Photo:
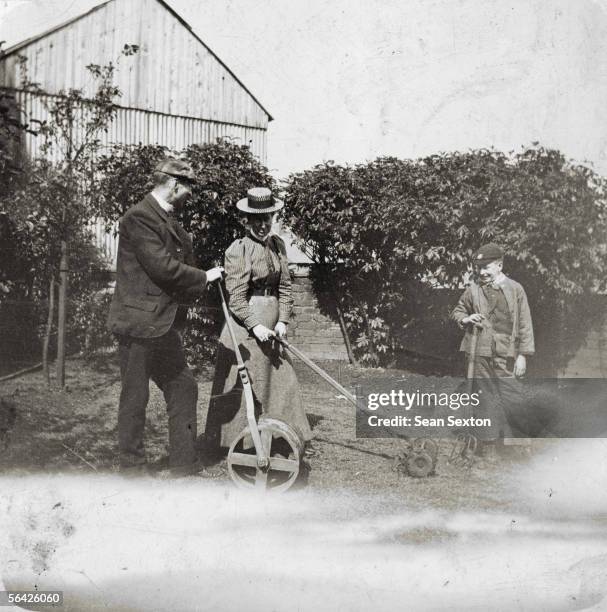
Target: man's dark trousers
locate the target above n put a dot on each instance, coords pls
(162, 359)
(155, 274)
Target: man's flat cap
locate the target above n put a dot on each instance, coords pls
(488, 252)
(177, 168)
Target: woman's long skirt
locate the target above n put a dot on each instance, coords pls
(273, 379)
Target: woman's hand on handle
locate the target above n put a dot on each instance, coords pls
(280, 329)
(262, 333)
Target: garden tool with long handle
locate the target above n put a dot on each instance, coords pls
(262, 459)
(349, 396)
(472, 356)
(278, 447)
(419, 457)
(465, 444)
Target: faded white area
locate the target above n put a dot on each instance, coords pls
(353, 79)
(569, 479)
(157, 545)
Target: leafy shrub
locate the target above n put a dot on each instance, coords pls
(225, 170)
(381, 225)
(88, 330)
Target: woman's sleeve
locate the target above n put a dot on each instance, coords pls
(238, 273)
(285, 289)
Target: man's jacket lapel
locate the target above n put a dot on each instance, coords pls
(151, 201)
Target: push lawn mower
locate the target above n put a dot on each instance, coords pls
(267, 454)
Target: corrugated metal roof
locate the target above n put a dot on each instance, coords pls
(38, 35)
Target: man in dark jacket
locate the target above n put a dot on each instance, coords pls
(155, 275)
(497, 307)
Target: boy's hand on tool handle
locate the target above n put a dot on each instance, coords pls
(473, 319)
(520, 366)
(280, 329)
(262, 333)
(215, 274)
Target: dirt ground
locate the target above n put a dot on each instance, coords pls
(75, 430)
(526, 533)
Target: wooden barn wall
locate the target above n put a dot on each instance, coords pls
(173, 73)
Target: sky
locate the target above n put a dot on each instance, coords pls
(350, 80)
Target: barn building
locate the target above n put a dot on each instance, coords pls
(175, 92)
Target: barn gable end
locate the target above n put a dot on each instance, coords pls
(175, 91)
(174, 73)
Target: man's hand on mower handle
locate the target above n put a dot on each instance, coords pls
(473, 319)
(262, 333)
(215, 274)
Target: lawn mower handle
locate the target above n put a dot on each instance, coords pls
(349, 396)
(472, 354)
(262, 459)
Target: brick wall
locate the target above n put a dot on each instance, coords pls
(314, 333)
(581, 355)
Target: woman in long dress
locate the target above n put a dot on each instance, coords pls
(258, 284)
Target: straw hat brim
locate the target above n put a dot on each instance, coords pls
(243, 205)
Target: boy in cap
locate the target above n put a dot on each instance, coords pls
(497, 307)
(155, 276)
